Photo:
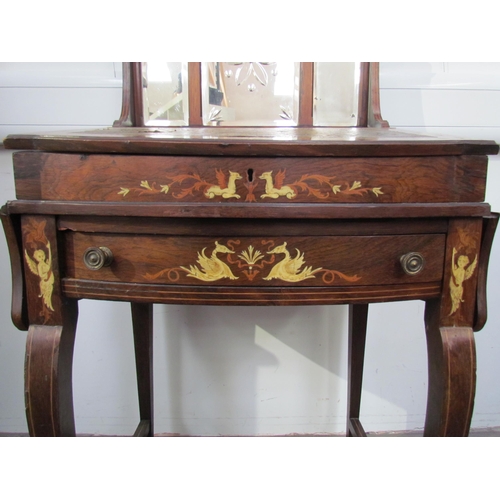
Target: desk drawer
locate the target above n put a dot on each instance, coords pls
(257, 261)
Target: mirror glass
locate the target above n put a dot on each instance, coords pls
(336, 94)
(250, 93)
(165, 91)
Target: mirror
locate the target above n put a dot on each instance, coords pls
(250, 93)
(336, 94)
(165, 90)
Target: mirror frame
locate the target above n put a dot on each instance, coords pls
(369, 114)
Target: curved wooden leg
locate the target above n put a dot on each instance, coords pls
(48, 377)
(449, 324)
(51, 332)
(358, 315)
(452, 376)
(142, 320)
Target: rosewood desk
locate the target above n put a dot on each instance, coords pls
(248, 216)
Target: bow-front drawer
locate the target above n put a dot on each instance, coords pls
(256, 261)
(252, 261)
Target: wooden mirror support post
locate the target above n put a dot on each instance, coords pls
(193, 207)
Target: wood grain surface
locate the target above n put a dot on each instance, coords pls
(123, 178)
(248, 141)
(333, 261)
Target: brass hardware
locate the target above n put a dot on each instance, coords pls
(412, 263)
(97, 257)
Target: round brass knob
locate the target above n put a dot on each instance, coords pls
(97, 257)
(412, 263)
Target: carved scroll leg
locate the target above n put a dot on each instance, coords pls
(51, 332)
(452, 376)
(48, 377)
(358, 315)
(142, 320)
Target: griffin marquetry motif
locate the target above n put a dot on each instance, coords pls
(277, 191)
(212, 268)
(289, 268)
(225, 187)
(274, 187)
(251, 262)
(228, 191)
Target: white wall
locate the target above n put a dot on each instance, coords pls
(249, 370)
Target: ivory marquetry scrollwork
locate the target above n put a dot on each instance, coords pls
(252, 262)
(226, 186)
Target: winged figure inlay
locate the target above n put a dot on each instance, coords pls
(40, 264)
(461, 271)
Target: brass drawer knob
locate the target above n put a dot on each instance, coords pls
(97, 257)
(412, 263)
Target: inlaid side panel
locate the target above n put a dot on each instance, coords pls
(450, 338)
(170, 179)
(41, 264)
(461, 272)
(51, 333)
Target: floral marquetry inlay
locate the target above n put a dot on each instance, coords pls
(275, 262)
(227, 183)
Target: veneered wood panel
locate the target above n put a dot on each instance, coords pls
(251, 141)
(256, 261)
(252, 227)
(228, 295)
(461, 272)
(42, 270)
(173, 179)
(285, 211)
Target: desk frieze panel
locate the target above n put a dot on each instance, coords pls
(171, 179)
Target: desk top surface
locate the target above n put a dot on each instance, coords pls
(238, 141)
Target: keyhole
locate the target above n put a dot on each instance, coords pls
(250, 175)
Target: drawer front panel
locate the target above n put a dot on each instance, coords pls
(257, 261)
(173, 179)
